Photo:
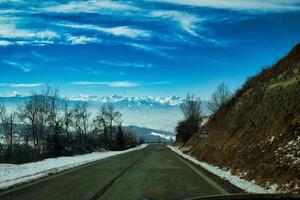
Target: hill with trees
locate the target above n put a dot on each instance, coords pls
(256, 133)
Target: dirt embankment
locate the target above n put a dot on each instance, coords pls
(257, 134)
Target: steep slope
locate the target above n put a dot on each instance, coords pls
(257, 134)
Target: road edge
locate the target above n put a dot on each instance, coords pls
(203, 176)
(50, 176)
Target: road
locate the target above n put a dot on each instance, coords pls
(151, 173)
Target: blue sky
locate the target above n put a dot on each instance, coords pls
(143, 47)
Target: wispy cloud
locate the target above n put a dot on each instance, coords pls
(185, 21)
(259, 5)
(24, 66)
(36, 55)
(157, 50)
(119, 83)
(81, 39)
(91, 6)
(125, 31)
(11, 32)
(125, 64)
(5, 43)
(22, 85)
(160, 83)
(110, 84)
(14, 31)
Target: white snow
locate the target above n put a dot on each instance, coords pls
(11, 174)
(271, 139)
(248, 186)
(291, 151)
(167, 137)
(139, 100)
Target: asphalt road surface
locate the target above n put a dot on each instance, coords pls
(151, 173)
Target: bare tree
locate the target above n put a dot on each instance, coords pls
(29, 114)
(120, 140)
(54, 119)
(81, 120)
(7, 122)
(191, 108)
(112, 118)
(219, 98)
(101, 126)
(193, 116)
(107, 120)
(68, 121)
(42, 118)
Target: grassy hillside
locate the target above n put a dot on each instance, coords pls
(257, 134)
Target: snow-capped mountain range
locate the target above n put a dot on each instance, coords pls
(127, 101)
(160, 113)
(118, 101)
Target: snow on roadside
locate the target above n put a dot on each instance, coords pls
(12, 174)
(248, 186)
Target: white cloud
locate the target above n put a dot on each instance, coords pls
(15, 31)
(39, 38)
(186, 21)
(81, 39)
(10, 31)
(27, 85)
(92, 6)
(160, 83)
(116, 31)
(157, 50)
(123, 84)
(266, 5)
(125, 64)
(20, 85)
(118, 83)
(5, 43)
(47, 35)
(110, 84)
(24, 66)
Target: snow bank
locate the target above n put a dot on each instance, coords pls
(11, 174)
(248, 186)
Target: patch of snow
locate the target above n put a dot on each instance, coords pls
(290, 151)
(248, 186)
(12, 174)
(271, 139)
(167, 137)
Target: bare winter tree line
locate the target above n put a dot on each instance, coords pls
(49, 126)
(192, 110)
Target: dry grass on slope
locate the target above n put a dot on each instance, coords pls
(257, 134)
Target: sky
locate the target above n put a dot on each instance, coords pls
(141, 47)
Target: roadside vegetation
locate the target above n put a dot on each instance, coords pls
(219, 98)
(194, 117)
(255, 133)
(48, 126)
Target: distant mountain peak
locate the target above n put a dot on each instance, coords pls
(130, 101)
